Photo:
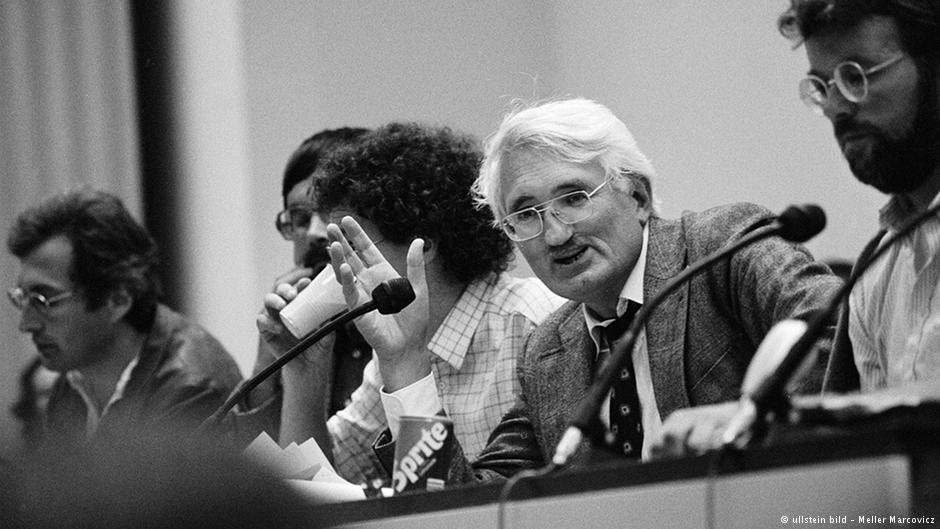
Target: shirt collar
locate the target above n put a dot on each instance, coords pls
(452, 339)
(632, 291)
(77, 381)
(899, 210)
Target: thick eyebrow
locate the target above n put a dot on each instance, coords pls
(864, 60)
(42, 288)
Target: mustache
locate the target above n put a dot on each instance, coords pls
(316, 257)
(842, 128)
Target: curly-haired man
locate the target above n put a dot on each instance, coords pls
(400, 182)
(88, 292)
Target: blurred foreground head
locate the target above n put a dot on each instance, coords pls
(144, 481)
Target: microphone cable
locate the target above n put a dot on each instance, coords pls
(512, 482)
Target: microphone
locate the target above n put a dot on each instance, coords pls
(801, 223)
(389, 297)
(769, 395)
(770, 354)
(796, 224)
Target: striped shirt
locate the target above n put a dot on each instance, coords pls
(894, 311)
(473, 363)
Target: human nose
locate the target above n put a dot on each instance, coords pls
(554, 230)
(316, 231)
(836, 106)
(29, 319)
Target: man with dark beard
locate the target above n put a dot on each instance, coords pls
(304, 226)
(873, 73)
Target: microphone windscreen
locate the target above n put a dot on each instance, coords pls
(393, 295)
(801, 223)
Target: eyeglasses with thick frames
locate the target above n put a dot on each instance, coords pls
(25, 298)
(569, 208)
(849, 77)
(294, 221)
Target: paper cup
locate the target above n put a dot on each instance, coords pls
(320, 301)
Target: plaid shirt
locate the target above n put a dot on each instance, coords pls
(474, 355)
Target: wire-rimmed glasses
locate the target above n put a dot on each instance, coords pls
(294, 221)
(850, 79)
(568, 208)
(25, 298)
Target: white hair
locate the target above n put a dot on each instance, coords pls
(574, 130)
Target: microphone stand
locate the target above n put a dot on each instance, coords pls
(313, 337)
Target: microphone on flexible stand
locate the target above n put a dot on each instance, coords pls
(796, 223)
(769, 395)
(389, 297)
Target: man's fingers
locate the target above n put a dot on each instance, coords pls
(415, 264)
(269, 326)
(346, 253)
(350, 289)
(293, 276)
(275, 302)
(364, 248)
(302, 283)
(673, 438)
(703, 437)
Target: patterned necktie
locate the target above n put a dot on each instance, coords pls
(626, 425)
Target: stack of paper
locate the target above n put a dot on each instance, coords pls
(305, 467)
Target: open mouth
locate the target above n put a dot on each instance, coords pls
(571, 258)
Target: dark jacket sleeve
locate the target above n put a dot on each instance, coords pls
(841, 373)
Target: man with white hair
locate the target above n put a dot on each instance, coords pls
(567, 183)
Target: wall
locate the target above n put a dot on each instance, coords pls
(67, 118)
(710, 92)
(313, 65)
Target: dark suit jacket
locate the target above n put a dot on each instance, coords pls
(700, 340)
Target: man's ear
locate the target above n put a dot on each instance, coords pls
(643, 194)
(119, 304)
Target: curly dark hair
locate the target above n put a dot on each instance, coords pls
(412, 181)
(110, 250)
(918, 20)
(312, 151)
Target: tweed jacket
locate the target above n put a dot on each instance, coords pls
(700, 340)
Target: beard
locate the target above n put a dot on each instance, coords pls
(902, 165)
(316, 258)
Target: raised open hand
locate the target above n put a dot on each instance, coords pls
(400, 340)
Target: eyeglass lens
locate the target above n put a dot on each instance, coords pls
(22, 298)
(568, 208)
(293, 221)
(850, 79)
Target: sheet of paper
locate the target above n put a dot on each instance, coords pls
(305, 467)
(323, 492)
